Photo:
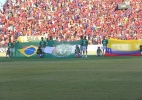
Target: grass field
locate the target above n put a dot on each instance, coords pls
(104, 78)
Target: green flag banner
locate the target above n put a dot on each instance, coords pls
(54, 49)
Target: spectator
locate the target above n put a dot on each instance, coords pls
(68, 19)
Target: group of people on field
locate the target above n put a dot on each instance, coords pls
(82, 50)
(42, 44)
(11, 45)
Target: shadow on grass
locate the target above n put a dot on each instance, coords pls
(4, 59)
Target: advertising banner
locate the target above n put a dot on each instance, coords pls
(3, 51)
(29, 38)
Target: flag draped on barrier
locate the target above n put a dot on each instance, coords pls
(123, 47)
(57, 49)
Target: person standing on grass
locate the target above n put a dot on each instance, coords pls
(141, 50)
(42, 44)
(81, 45)
(16, 42)
(47, 41)
(8, 53)
(85, 45)
(104, 45)
(50, 42)
(10, 46)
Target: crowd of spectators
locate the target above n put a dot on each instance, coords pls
(69, 19)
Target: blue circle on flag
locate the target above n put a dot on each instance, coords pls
(30, 51)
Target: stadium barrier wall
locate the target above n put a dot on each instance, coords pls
(115, 47)
(60, 49)
(3, 51)
(91, 50)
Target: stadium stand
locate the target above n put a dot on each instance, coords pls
(69, 19)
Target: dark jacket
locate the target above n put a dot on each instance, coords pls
(39, 51)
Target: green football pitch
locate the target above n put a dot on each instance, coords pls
(92, 78)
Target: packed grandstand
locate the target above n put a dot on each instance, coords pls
(69, 19)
